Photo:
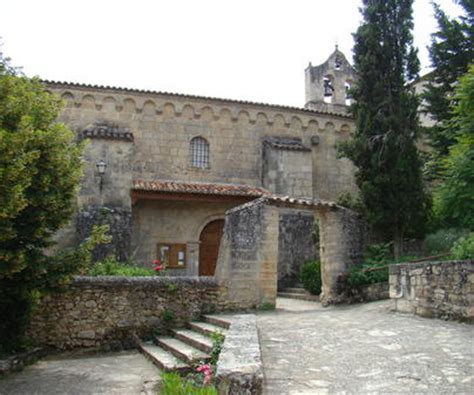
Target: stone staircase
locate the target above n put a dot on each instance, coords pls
(297, 293)
(185, 347)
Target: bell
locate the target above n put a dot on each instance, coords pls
(328, 89)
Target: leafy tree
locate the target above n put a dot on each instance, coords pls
(451, 52)
(454, 197)
(383, 149)
(40, 168)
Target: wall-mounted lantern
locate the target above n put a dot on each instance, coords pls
(101, 166)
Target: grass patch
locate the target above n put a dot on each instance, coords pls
(111, 267)
(174, 384)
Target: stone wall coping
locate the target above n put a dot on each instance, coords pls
(396, 268)
(148, 281)
(240, 369)
(289, 202)
(206, 99)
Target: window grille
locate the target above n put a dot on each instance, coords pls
(199, 153)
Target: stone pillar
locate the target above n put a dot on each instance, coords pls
(341, 246)
(248, 256)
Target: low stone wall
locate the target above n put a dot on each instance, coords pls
(434, 289)
(240, 369)
(369, 293)
(99, 311)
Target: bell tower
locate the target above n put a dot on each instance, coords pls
(327, 85)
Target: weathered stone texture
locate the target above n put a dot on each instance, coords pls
(98, 311)
(434, 289)
(286, 170)
(240, 369)
(119, 221)
(369, 293)
(296, 245)
(248, 255)
(341, 246)
(250, 248)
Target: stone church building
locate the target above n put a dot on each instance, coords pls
(162, 169)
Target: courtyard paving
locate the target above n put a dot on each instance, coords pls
(363, 349)
(127, 373)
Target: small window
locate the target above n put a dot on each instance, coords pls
(199, 153)
(172, 255)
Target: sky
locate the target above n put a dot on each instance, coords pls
(253, 50)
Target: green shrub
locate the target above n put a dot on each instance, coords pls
(217, 342)
(111, 267)
(378, 253)
(464, 247)
(20, 291)
(168, 317)
(366, 274)
(374, 268)
(174, 384)
(443, 240)
(310, 276)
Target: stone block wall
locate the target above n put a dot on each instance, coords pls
(248, 255)
(341, 244)
(369, 293)
(434, 289)
(99, 311)
(288, 171)
(296, 244)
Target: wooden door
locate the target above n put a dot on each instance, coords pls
(210, 239)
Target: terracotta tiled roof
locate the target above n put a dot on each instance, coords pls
(73, 85)
(198, 188)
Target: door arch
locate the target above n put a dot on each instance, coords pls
(210, 239)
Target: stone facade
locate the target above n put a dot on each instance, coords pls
(105, 311)
(434, 289)
(146, 136)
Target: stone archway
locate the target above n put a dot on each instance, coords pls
(209, 242)
(250, 249)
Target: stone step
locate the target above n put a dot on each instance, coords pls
(217, 320)
(194, 339)
(294, 290)
(163, 359)
(181, 350)
(206, 328)
(290, 295)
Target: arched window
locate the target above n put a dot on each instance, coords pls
(199, 153)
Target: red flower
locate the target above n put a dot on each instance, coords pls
(156, 262)
(158, 268)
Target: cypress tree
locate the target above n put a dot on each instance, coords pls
(383, 149)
